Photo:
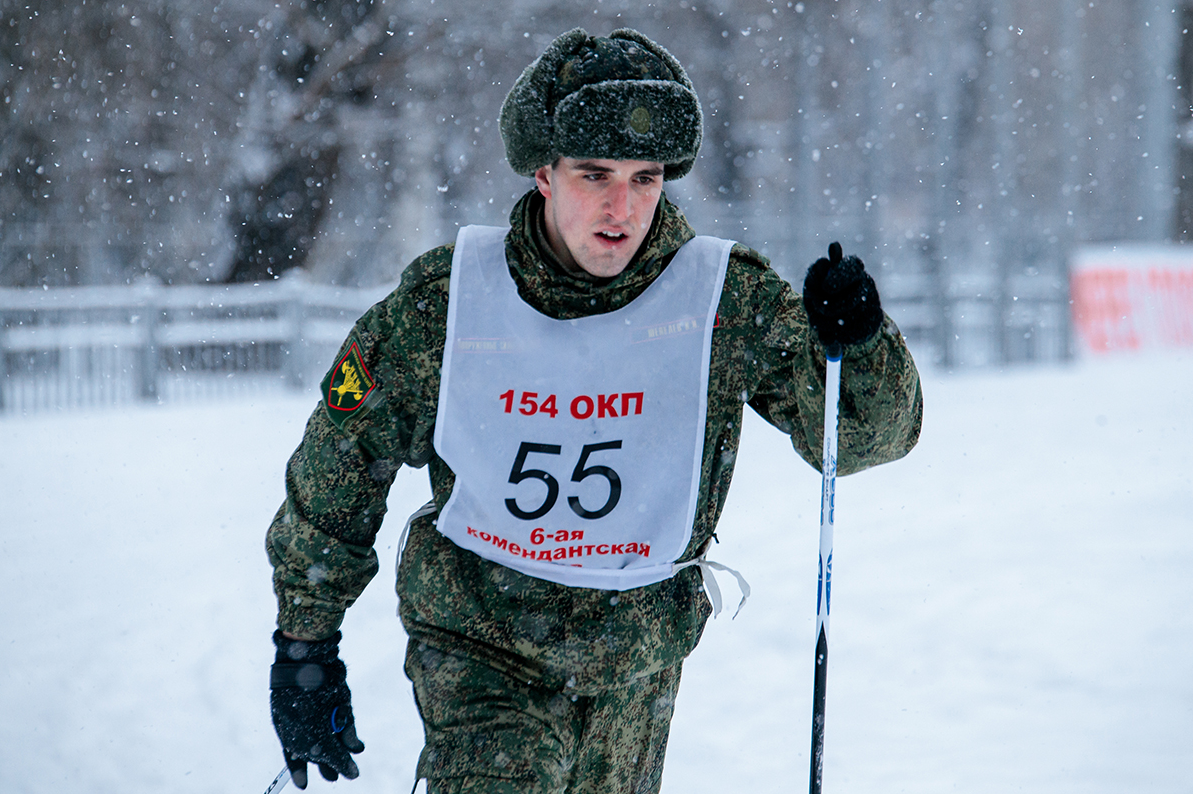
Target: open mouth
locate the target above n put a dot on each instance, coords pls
(612, 237)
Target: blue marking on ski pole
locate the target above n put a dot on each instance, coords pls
(832, 487)
(820, 580)
(280, 781)
(828, 581)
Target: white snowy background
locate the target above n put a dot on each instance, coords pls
(1012, 601)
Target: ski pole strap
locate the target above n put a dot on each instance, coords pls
(710, 581)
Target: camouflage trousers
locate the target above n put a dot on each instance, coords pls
(487, 732)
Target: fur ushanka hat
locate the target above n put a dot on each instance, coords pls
(617, 98)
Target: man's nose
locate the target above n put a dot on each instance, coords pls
(617, 201)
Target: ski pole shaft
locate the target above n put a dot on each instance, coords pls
(279, 782)
(833, 367)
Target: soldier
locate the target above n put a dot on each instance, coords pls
(575, 384)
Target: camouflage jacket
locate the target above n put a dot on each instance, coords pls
(763, 354)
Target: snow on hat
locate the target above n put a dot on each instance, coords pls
(617, 98)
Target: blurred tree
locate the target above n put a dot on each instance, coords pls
(112, 127)
(218, 140)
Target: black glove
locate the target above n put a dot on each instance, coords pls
(312, 708)
(841, 300)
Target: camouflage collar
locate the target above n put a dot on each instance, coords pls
(544, 284)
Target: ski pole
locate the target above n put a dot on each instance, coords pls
(279, 782)
(833, 369)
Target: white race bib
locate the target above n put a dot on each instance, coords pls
(576, 444)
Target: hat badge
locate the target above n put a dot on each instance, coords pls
(640, 120)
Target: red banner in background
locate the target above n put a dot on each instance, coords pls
(1131, 300)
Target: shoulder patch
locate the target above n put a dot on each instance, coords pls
(348, 384)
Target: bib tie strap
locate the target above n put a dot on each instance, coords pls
(710, 581)
(425, 510)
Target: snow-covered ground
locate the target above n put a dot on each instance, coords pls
(1012, 602)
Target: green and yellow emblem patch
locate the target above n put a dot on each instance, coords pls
(349, 382)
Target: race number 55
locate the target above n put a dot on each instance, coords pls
(580, 472)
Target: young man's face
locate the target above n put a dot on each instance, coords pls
(599, 211)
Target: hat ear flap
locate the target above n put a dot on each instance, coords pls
(525, 123)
